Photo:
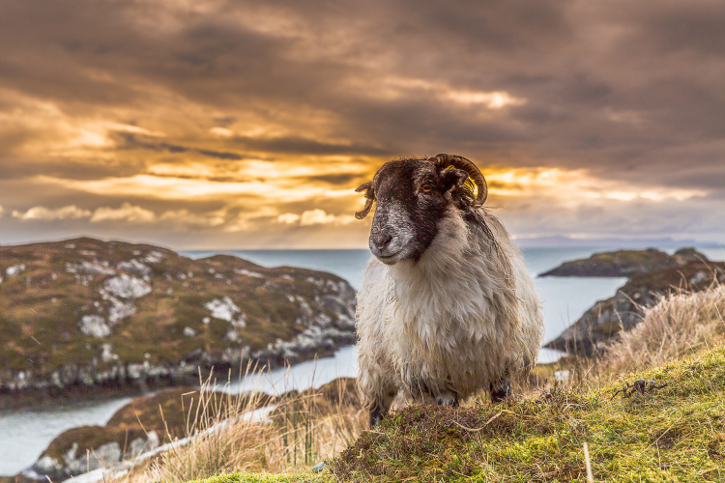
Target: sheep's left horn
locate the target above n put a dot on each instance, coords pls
(459, 162)
(370, 197)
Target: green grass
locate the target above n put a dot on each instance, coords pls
(266, 478)
(675, 434)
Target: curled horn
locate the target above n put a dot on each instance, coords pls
(459, 162)
(370, 197)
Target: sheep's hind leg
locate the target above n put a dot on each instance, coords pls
(381, 405)
(500, 390)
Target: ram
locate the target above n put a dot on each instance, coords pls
(446, 306)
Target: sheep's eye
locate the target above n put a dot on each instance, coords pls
(426, 188)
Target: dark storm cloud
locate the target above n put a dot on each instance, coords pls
(297, 145)
(336, 179)
(11, 168)
(132, 141)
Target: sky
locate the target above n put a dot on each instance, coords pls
(212, 124)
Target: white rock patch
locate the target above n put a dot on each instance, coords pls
(119, 310)
(89, 267)
(95, 325)
(248, 273)
(107, 355)
(14, 270)
(224, 309)
(134, 266)
(126, 287)
(189, 332)
(232, 336)
(153, 257)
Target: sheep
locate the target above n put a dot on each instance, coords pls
(446, 306)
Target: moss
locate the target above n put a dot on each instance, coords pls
(268, 478)
(672, 434)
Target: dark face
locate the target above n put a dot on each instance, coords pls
(412, 197)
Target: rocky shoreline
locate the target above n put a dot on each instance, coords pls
(139, 430)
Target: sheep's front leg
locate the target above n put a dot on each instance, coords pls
(381, 404)
(375, 388)
(500, 390)
(447, 399)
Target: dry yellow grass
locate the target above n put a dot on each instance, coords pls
(228, 435)
(678, 325)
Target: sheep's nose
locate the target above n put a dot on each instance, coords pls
(380, 240)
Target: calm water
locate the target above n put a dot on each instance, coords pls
(25, 434)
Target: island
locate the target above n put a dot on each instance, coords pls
(82, 316)
(625, 263)
(686, 270)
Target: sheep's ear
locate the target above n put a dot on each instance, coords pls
(364, 186)
(370, 197)
(453, 178)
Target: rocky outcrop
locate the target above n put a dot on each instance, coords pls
(625, 263)
(603, 322)
(87, 313)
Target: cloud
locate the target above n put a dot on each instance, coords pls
(127, 212)
(288, 218)
(185, 217)
(193, 113)
(129, 140)
(314, 217)
(71, 212)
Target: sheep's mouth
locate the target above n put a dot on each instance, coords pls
(388, 259)
(392, 258)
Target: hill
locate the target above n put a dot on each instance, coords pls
(87, 313)
(674, 433)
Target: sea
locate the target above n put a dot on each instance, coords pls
(25, 433)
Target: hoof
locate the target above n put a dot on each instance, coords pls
(447, 399)
(500, 392)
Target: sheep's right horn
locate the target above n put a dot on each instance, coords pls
(459, 162)
(370, 197)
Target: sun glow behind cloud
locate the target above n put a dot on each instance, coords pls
(573, 186)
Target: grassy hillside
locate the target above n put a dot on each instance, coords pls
(87, 312)
(675, 434)
(672, 430)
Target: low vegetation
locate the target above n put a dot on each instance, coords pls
(256, 433)
(680, 324)
(672, 430)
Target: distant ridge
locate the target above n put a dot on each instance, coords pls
(635, 243)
